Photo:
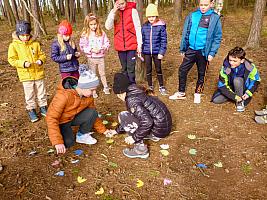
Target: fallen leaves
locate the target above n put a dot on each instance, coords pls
(192, 151)
(139, 183)
(100, 191)
(81, 179)
(218, 164)
(164, 152)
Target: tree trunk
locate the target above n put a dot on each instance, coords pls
(93, 7)
(3, 10)
(61, 7)
(54, 10)
(67, 9)
(178, 10)
(26, 15)
(256, 25)
(85, 4)
(110, 5)
(15, 10)
(78, 6)
(72, 11)
(34, 8)
(10, 15)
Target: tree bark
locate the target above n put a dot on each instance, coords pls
(10, 15)
(256, 25)
(34, 8)
(85, 4)
(3, 10)
(178, 10)
(26, 15)
(67, 9)
(93, 7)
(15, 10)
(54, 10)
(72, 11)
(110, 6)
(61, 7)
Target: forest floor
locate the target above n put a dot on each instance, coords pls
(223, 135)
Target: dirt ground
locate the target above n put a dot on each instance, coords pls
(223, 135)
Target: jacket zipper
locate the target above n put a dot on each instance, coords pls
(151, 40)
(123, 29)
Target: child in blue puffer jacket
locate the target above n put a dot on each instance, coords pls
(154, 45)
(64, 51)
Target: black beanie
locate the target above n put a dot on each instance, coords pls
(121, 83)
(23, 27)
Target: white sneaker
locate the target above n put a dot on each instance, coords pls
(197, 98)
(106, 90)
(95, 95)
(85, 138)
(240, 107)
(177, 95)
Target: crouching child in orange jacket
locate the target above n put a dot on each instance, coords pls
(73, 105)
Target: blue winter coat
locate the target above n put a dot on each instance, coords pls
(213, 35)
(60, 57)
(154, 38)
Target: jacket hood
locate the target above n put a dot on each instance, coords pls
(247, 64)
(16, 39)
(159, 23)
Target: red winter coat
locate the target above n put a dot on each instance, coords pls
(124, 31)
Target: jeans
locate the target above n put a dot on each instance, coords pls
(85, 119)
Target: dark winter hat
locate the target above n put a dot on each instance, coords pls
(121, 83)
(23, 27)
(88, 78)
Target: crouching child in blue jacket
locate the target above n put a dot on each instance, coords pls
(146, 117)
(238, 80)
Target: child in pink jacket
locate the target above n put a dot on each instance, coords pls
(94, 43)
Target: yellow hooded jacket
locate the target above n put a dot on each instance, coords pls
(19, 52)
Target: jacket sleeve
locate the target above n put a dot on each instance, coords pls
(55, 54)
(253, 81)
(185, 36)
(106, 43)
(217, 38)
(137, 27)
(41, 54)
(13, 58)
(110, 20)
(54, 113)
(163, 40)
(145, 120)
(223, 85)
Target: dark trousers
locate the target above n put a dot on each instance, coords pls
(85, 119)
(157, 62)
(128, 61)
(192, 57)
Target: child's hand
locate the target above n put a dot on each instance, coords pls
(60, 148)
(129, 140)
(160, 56)
(210, 58)
(77, 54)
(110, 133)
(95, 51)
(116, 6)
(245, 96)
(238, 98)
(27, 64)
(39, 62)
(69, 56)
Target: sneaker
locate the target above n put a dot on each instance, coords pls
(152, 137)
(43, 110)
(106, 90)
(95, 95)
(150, 88)
(33, 116)
(139, 150)
(240, 107)
(163, 91)
(197, 98)
(261, 112)
(177, 96)
(85, 138)
(261, 119)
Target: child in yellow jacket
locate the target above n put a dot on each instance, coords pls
(26, 55)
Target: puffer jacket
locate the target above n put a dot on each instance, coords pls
(19, 52)
(154, 38)
(153, 115)
(65, 105)
(225, 83)
(60, 57)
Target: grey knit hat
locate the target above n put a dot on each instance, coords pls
(88, 78)
(23, 27)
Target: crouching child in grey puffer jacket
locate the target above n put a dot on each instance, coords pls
(146, 117)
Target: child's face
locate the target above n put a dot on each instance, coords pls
(66, 37)
(204, 5)
(93, 25)
(24, 37)
(152, 19)
(87, 92)
(235, 62)
(121, 4)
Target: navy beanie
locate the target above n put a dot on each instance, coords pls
(121, 83)
(23, 27)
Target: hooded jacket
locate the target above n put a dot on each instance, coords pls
(153, 115)
(60, 57)
(154, 38)
(65, 105)
(20, 52)
(225, 83)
